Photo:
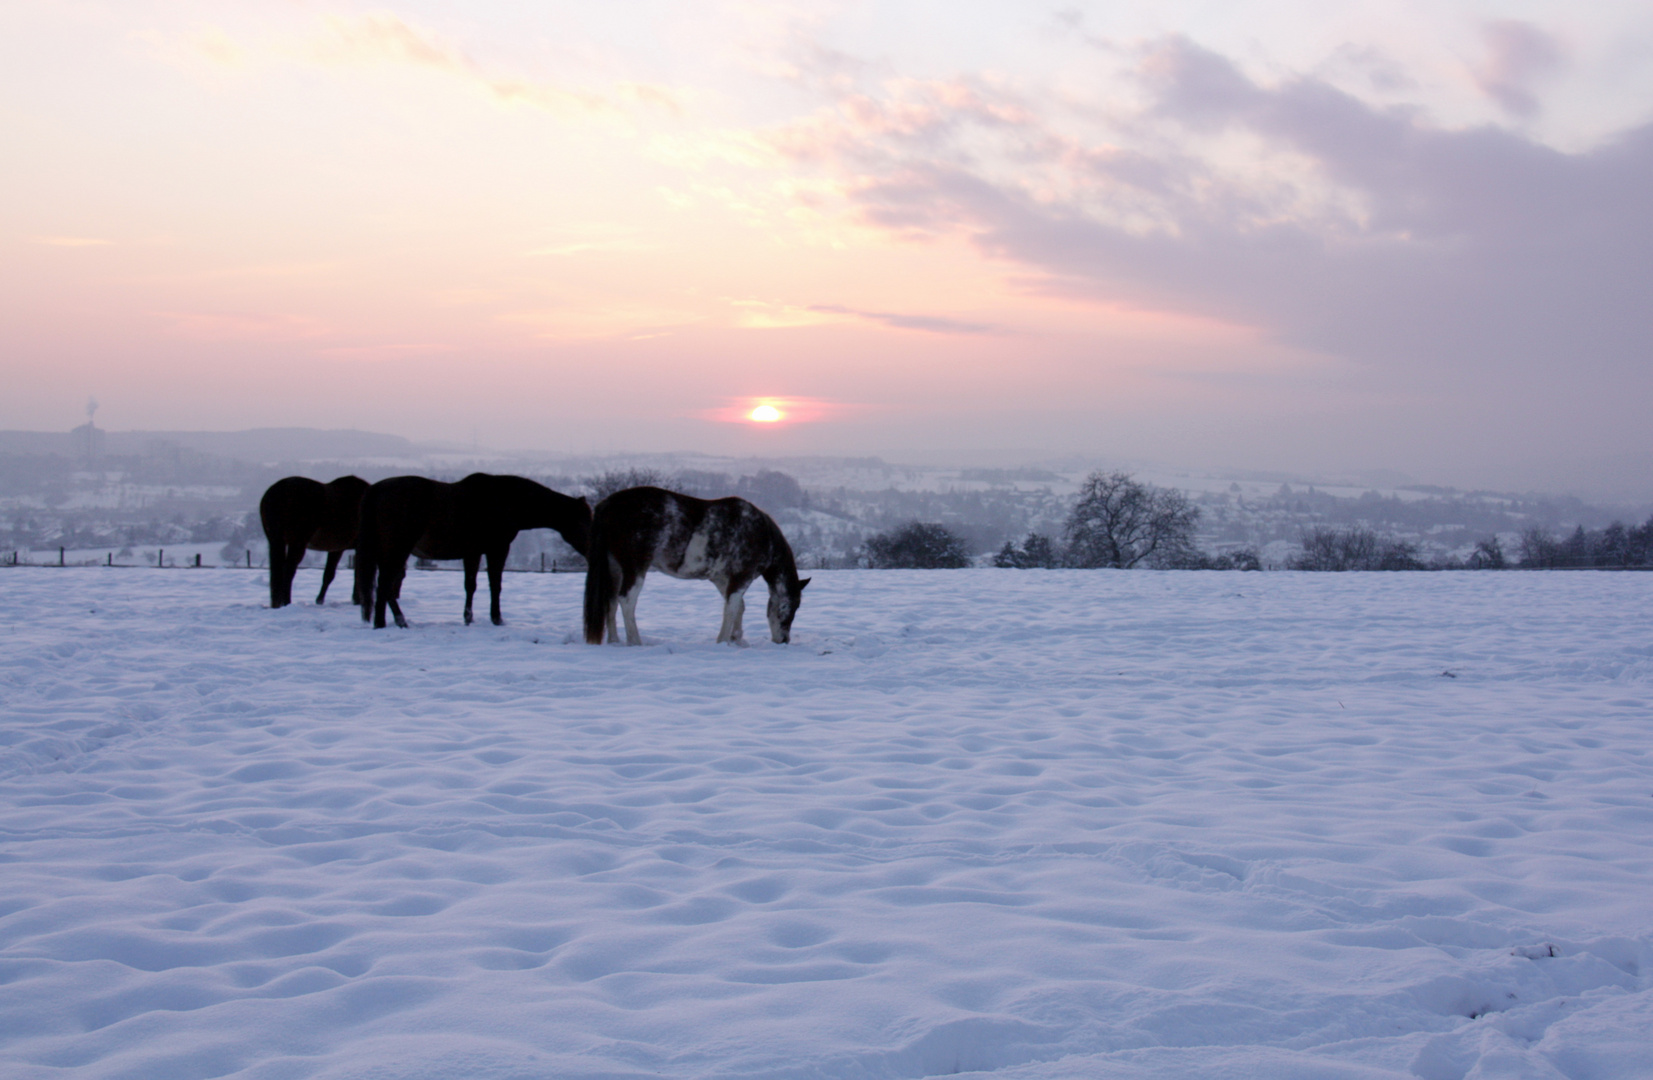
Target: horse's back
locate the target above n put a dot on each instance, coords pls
(639, 523)
(397, 512)
(442, 520)
(647, 528)
(502, 504)
(292, 506)
(347, 491)
(342, 501)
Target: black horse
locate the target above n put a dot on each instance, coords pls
(479, 515)
(298, 514)
(728, 542)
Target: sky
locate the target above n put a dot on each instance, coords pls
(1252, 236)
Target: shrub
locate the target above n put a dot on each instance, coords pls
(772, 490)
(1238, 559)
(917, 546)
(1337, 550)
(1037, 552)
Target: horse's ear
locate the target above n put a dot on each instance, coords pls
(801, 583)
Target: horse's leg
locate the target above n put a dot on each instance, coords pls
(738, 602)
(471, 563)
(398, 572)
(734, 606)
(496, 581)
(327, 573)
(613, 603)
(628, 608)
(365, 575)
(295, 555)
(728, 620)
(282, 568)
(390, 590)
(278, 552)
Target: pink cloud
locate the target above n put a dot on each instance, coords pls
(935, 324)
(1519, 55)
(386, 38)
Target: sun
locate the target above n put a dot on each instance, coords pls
(770, 412)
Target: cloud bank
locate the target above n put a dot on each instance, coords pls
(1332, 224)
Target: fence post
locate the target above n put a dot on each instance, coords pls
(160, 558)
(197, 560)
(250, 557)
(60, 561)
(111, 558)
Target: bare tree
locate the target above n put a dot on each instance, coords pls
(601, 487)
(1538, 548)
(1489, 555)
(1121, 522)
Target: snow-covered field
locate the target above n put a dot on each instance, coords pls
(1038, 824)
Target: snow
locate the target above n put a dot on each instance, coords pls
(1036, 824)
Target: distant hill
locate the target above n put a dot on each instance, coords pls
(257, 446)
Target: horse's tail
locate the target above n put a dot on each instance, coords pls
(367, 547)
(599, 584)
(271, 517)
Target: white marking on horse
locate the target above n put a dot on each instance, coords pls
(696, 563)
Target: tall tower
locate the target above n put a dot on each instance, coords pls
(88, 439)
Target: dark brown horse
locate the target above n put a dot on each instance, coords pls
(301, 514)
(729, 542)
(479, 515)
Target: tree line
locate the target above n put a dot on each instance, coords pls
(1118, 521)
(1616, 547)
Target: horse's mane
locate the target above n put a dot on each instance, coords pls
(785, 565)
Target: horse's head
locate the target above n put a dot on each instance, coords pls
(576, 526)
(784, 599)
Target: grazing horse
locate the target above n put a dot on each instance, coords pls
(728, 542)
(479, 515)
(300, 513)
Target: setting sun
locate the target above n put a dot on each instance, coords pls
(765, 414)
